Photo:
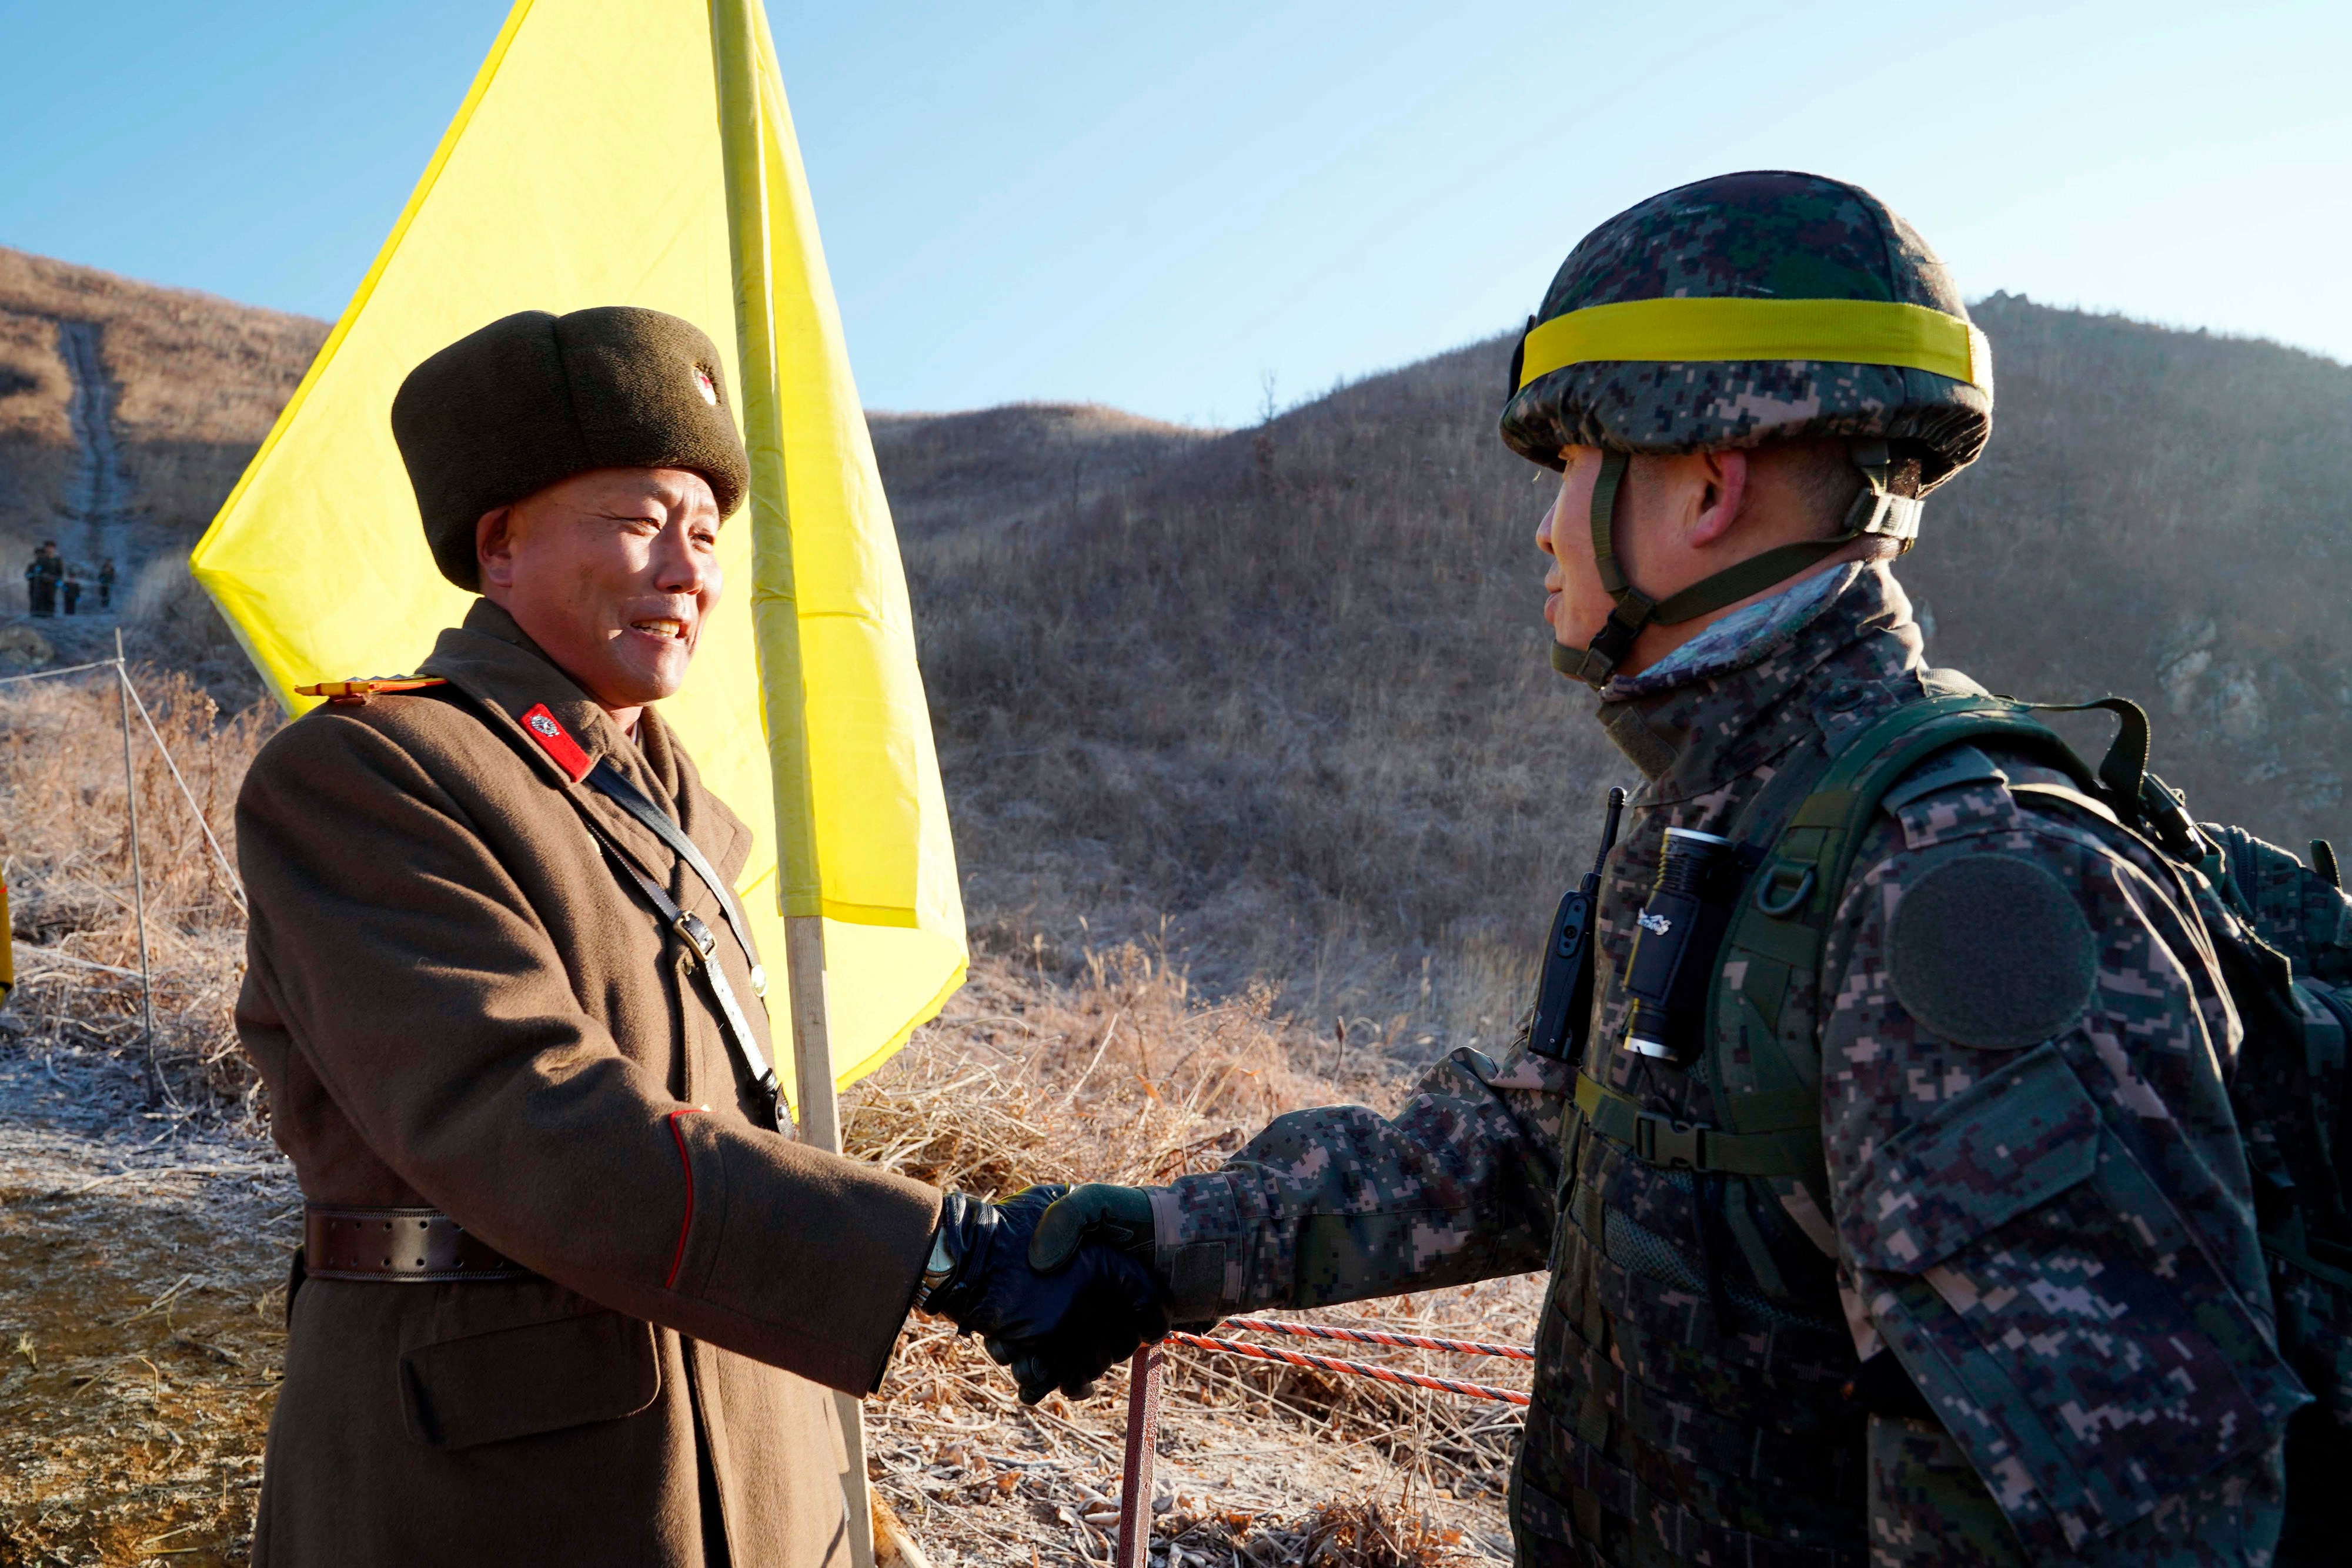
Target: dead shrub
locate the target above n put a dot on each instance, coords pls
(66, 840)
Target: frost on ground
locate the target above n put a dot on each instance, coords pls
(142, 1313)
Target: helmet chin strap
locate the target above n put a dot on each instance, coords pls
(1876, 511)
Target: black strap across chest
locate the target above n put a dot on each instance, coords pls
(702, 955)
(701, 946)
(608, 781)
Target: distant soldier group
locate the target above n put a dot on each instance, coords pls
(49, 578)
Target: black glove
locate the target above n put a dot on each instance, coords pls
(1119, 1218)
(1052, 1331)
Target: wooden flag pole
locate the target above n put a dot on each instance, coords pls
(775, 610)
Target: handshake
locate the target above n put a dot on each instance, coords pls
(1061, 1285)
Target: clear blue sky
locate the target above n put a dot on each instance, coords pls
(1159, 206)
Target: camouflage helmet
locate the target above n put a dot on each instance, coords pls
(1741, 310)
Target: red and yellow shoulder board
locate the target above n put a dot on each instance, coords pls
(359, 688)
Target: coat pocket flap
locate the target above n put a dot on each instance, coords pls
(2014, 1141)
(540, 1377)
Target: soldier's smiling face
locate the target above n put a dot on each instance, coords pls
(613, 573)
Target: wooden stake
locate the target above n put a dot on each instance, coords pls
(1142, 1447)
(138, 871)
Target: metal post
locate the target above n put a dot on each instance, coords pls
(138, 871)
(1142, 1447)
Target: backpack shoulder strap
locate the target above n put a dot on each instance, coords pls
(1765, 1069)
(1797, 888)
(1766, 1073)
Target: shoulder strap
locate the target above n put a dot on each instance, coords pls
(1799, 885)
(701, 949)
(1767, 1083)
(608, 781)
(1767, 1089)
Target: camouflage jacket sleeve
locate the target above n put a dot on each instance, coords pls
(2042, 1208)
(1341, 1203)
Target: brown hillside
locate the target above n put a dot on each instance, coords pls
(1289, 683)
(191, 384)
(127, 413)
(996, 467)
(1289, 691)
(2163, 514)
(200, 378)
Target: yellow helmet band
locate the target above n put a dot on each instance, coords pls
(1833, 331)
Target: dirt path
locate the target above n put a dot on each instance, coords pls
(98, 521)
(98, 505)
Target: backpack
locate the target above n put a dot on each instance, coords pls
(2280, 930)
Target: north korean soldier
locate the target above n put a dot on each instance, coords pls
(1974, 1279)
(41, 579)
(569, 1291)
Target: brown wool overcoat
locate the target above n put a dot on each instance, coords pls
(456, 1004)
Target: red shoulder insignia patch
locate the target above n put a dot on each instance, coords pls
(557, 742)
(359, 688)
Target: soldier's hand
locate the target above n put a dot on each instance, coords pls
(1119, 1218)
(1058, 1330)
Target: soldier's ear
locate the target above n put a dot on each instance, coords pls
(1722, 478)
(494, 547)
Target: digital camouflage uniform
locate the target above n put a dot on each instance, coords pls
(2025, 1319)
(1698, 1393)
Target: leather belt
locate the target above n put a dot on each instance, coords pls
(418, 1245)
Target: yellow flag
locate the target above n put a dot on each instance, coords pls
(585, 168)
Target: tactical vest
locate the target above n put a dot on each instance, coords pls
(2282, 933)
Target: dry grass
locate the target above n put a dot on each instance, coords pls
(1119, 1071)
(2161, 514)
(1287, 684)
(141, 1319)
(142, 1230)
(64, 846)
(143, 1226)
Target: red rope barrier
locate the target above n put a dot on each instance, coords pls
(1379, 1336)
(1355, 1368)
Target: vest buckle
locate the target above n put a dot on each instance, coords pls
(1662, 1141)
